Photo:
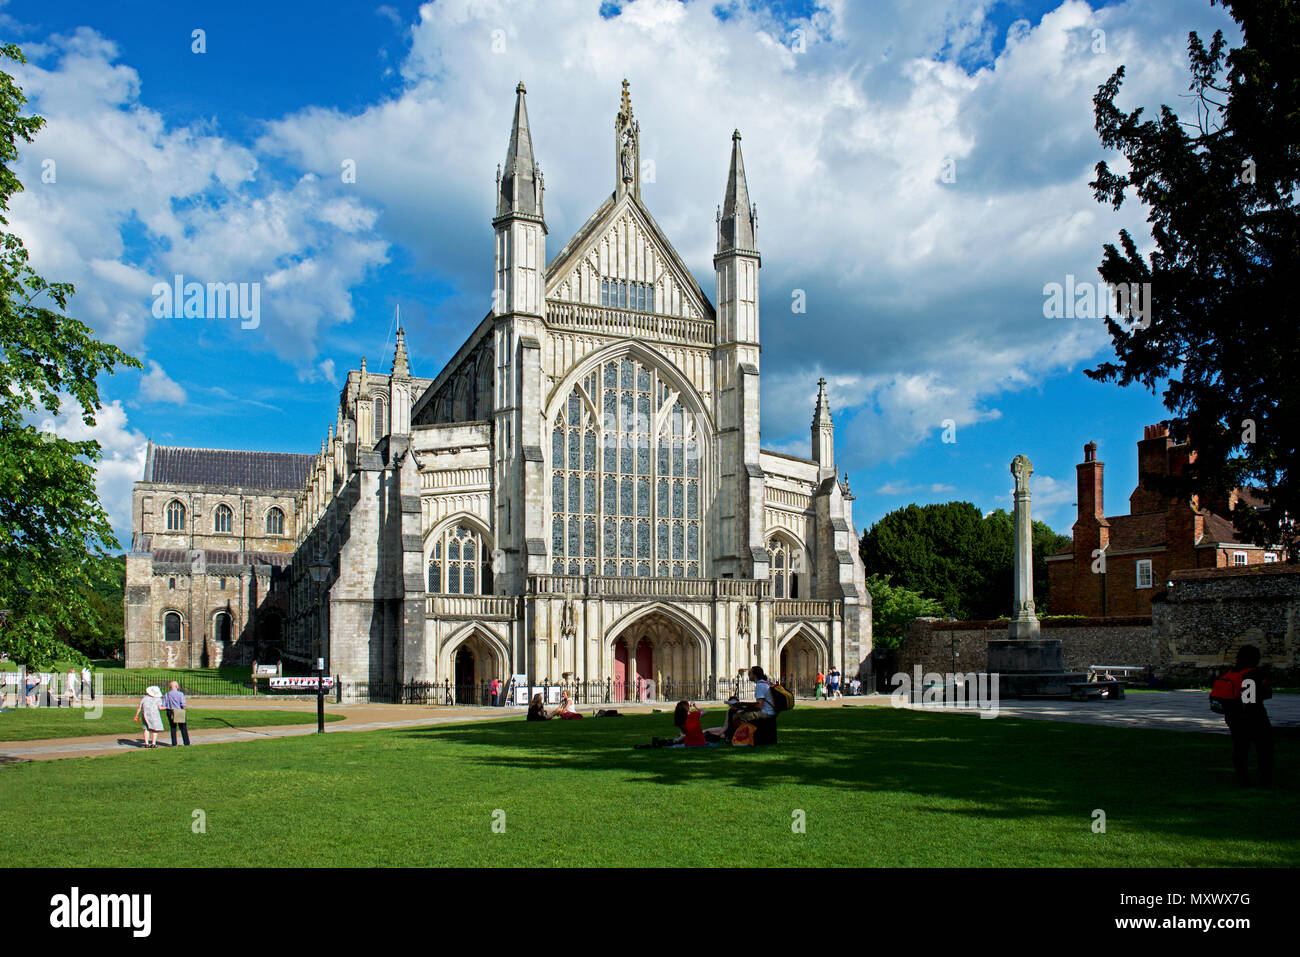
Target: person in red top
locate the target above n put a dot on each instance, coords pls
(495, 689)
(687, 718)
(1241, 694)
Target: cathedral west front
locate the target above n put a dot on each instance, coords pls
(579, 494)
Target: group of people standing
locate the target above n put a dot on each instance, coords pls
(828, 685)
(151, 707)
(42, 690)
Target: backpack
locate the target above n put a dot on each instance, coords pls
(782, 697)
(1223, 694)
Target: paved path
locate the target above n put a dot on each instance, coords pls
(1166, 710)
(1169, 710)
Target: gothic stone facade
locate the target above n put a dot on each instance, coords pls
(581, 490)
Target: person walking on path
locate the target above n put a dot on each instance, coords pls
(71, 686)
(820, 691)
(1241, 694)
(85, 682)
(174, 702)
(833, 684)
(152, 717)
(495, 689)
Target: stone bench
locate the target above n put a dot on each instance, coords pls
(1086, 690)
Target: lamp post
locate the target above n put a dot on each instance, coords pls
(320, 570)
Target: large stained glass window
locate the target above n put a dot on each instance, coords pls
(625, 478)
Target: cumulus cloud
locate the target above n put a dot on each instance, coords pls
(123, 453)
(193, 202)
(924, 296)
(157, 386)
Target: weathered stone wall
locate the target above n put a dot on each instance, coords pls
(928, 642)
(1209, 613)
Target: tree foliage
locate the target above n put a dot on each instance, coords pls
(53, 530)
(1220, 194)
(957, 557)
(893, 608)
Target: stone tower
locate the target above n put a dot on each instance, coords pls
(737, 261)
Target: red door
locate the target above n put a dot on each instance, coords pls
(644, 665)
(620, 670)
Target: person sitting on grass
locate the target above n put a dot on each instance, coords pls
(759, 709)
(566, 708)
(537, 709)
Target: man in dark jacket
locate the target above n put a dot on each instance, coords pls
(1241, 693)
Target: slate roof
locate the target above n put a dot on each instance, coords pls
(169, 465)
(179, 556)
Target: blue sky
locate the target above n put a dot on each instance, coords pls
(924, 295)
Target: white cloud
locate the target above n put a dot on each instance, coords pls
(123, 454)
(157, 386)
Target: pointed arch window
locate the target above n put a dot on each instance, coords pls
(381, 417)
(787, 567)
(275, 522)
(460, 563)
(635, 296)
(175, 516)
(625, 478)
(223, 519)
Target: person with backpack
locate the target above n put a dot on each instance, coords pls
(1239, 696)
(764, 707)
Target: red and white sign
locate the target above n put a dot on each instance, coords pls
(299, 684)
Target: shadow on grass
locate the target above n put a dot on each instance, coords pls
(1175, 782)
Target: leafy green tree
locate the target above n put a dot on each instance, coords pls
(53, 529)
(954, 555)
(1220, 195)
(893, 608)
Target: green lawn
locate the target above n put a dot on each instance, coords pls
(877, 787)
(33, 724)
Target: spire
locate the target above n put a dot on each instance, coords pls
(519, 180)
(823, 433)
(822, 413)
(401, 369)
(736, 227)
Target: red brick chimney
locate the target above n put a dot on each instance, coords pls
(1091, 533)
(1153, 460)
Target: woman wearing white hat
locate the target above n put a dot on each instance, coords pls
(152, 717)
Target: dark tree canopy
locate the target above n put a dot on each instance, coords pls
(1220, 194)
(956, 556)
(54, 533)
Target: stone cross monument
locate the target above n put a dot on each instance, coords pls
(1024, 623)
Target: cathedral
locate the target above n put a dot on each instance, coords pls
(579, 494)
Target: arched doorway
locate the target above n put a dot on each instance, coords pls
(659, 657)
(221, 634)
(468, 660)
(801, 659)
(465, 674)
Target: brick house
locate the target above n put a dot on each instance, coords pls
(1119, 562)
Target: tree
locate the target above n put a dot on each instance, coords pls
(893, 608)
(1221, 327)
(957, 557)
(53, 530)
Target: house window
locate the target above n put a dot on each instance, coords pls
(171, 584)
(1144, 573)
(175, 516)
(223, 519)
(1238, 558)
(171, 626)
(223, 584)
(625, 478)
(461, 564)
(1270, 558)
(275, 522)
